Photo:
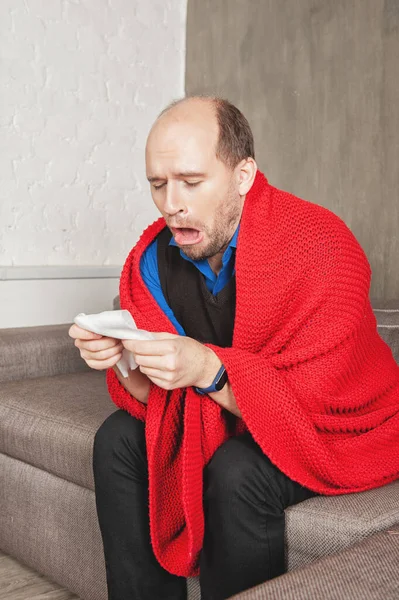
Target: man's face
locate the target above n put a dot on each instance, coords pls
(195, 192)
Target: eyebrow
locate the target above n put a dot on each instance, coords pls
(180, 175)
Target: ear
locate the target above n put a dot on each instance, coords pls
(245, 173)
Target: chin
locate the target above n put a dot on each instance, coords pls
(192, 252)
(195, 252)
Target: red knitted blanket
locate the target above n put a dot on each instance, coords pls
(316, 385)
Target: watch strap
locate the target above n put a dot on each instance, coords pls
(214, 385)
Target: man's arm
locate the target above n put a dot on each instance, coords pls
(136, 383)
(172, 361)
(101, 353)
(226, 399)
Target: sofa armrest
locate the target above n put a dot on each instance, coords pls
(369, 569)
(43, 351)
(387, 315)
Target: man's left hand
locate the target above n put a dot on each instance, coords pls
(174, 361)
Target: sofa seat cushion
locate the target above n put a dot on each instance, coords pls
(367, 570)
(50, 422)
(327, 524)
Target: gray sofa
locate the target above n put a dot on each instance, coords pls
(51, 405)
(368, 570)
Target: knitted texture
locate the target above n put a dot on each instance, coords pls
(316, 385)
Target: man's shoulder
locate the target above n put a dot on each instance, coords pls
(311, 226)
(318, 216)
(302, 204)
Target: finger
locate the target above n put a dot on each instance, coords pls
(97, 345)
(165, 376)
(164, 335)
(162, 363)
(149, 347)
(165, 385)
(101, 365)
(102, 354)
(77, 332)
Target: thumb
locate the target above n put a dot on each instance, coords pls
(164, 335)
(77, 332)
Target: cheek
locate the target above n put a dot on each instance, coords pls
(204, 202)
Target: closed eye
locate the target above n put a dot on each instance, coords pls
(189, 183)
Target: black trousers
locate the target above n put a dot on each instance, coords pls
(244, 500)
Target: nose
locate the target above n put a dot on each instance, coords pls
(173, 201)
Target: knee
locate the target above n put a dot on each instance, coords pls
(118, 435)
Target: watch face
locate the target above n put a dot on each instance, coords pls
(221, 381)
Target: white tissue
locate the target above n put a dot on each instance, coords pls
(116, 324)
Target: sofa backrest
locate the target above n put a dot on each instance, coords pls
(387, 316)
(43, 351)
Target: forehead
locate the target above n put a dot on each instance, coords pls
(181, 144)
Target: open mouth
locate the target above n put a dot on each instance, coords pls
(185, 236)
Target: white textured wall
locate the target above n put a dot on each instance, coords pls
(81, 82)
(34, 302)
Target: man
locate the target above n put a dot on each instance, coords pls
(267, 381)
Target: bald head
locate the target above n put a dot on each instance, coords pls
(234, 136)
(191, 103)
(184, 122)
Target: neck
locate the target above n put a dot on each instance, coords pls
(215, 262)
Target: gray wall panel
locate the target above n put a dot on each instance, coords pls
(319, 82)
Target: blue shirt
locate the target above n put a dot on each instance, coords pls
(214, 283)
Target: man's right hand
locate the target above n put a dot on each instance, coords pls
(98, 351)
(102, 353)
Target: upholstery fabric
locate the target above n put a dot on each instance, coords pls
(42, 351)
(51, 525)
(367, 570)
(324, 525)
(50, 422)
(388, 325)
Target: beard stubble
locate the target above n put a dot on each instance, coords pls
(226, 221)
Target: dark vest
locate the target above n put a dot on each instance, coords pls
(203, 316)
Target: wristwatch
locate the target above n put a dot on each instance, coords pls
(217, 384)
